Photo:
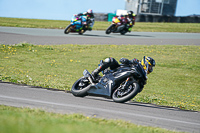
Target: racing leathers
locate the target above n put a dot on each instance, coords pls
(130, 23)
(113, 64)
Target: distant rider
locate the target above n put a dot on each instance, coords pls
(130, 20)
(127, 20)
(89, 18)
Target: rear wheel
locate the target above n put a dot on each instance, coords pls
(110, 29)
(123, 95)
(123, 32)
(80, 87)
(81, 32)
(68, 29)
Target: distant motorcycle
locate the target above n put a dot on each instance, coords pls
(121, 84)
(78, 24)
(118, 26)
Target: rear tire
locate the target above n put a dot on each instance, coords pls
(68, 29)
(123, 32)
(127, 95)
(81, 32)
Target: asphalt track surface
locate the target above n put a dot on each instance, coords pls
(61, 102)
(14, 35)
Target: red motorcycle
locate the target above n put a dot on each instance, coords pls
(118, 26)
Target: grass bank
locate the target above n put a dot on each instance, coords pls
(24, 120)
(100, 25)
(175, 81)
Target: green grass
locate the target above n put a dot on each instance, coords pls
(101, 25)
(24, 120)
(175, 81)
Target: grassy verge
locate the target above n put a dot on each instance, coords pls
(175, 81)
(24, 120)
(100, 25)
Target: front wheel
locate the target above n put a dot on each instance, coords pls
(110, 29)
(80, 87)
(126, 94)
(68, 29)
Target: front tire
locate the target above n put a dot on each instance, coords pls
(80, 91)
(68, 29)
(110, 29)
(121, 96)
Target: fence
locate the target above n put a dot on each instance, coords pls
(155, 18)
(152, 18)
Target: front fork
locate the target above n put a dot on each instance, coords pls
(127, 83)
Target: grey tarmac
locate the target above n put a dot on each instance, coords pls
(14, 35)
(61, 102)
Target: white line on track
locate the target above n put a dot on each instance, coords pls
(97, 109)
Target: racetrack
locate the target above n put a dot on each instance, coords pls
(138, 113)
(14, 35)
(58, 101)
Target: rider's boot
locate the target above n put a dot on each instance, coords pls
(129, 29)
(98, 70)
(89, 27)
(108, 62)
(95, 72)
(94, 75)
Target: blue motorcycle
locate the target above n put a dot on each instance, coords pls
(78, 24)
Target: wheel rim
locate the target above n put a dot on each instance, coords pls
(78, 87)
(123, 92)
(108, 31)
(69, 29)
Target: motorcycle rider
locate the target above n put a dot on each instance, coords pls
(130, 20)
(113, 64)
(89, 17)
(127, 20)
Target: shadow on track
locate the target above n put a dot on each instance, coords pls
(95, 35)
(129, 35)
(90, 35)
(114, 35)
(144, 105)
(137, 35)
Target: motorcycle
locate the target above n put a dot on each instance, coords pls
(121, 84)
(117, 26)
(78, 24)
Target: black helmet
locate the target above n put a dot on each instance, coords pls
(130, 14)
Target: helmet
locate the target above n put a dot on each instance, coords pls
(131, 14)
(148, 63)
(89, 11)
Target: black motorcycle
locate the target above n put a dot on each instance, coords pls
(121, 84)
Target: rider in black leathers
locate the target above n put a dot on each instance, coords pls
(113, 64)
(131, 20)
